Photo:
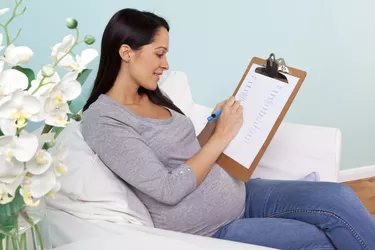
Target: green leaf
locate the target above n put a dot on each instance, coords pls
(57, 131)
(1, 133)
(77, 104)
(28, 72)
(14, 206)
(9, 213)
(82, 77)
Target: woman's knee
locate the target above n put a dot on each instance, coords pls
(343, 191)
(342, 198)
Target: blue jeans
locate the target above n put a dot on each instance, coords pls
(302, 215)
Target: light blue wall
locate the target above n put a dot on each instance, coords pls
(213, 42)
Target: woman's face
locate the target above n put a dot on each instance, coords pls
(147, 64)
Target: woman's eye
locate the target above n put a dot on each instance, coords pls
(159, 55)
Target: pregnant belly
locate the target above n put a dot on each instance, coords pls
(219, 200)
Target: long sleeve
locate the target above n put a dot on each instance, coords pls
(128, 156)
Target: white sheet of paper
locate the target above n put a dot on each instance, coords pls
(263, 99)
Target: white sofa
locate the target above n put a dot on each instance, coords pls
(92, 212)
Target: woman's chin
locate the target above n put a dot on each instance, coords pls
(151, 86)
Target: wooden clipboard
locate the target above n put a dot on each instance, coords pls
(270, 69)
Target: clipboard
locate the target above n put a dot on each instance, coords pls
(277, 70)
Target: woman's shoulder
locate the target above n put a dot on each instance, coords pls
(94, 113)
(103, 115)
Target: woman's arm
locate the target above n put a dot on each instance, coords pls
(206, 133)
(209, 129)
(228, 125)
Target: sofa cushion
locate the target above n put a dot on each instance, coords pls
(89, 190)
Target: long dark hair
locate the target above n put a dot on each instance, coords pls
(136, 29)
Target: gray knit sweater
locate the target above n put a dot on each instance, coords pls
(150, 155)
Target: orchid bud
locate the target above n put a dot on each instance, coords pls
(77, 117)
(48, 70)
(89, 39)
(71, 23)
(51, 144)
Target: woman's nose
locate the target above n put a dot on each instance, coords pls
(165, 64)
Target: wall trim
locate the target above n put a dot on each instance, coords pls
(357, 173)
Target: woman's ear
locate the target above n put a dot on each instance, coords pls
(125, 53)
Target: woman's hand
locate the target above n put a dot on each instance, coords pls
(228, 125)
(218, 107)
(230, 120)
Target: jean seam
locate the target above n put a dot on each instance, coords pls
(318, 248)
(266, 201)
(346, 224)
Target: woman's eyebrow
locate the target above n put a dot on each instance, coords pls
(161, 47)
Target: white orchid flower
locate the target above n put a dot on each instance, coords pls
(42, 160)
(3, 11)
(22, 147)
(36, 186)
(66, 90)
(53, 114)
(1, 38)
(81, 61)
(5, 198)
(20, 107)
(62, 48)
(59, 116)
(10, 81)
(48, 84)
(55, 107)
(14, 152)
(40, 163)
(59, 155)
(15, 56)
(27, 197)
(8, 191)
(8, 126)
(10, 167)
(55, 189)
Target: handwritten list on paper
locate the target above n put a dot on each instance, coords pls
(263, 99)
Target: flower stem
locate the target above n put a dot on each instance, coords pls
(46, 129)
(23, 241)
(7, 243)
(1, 244)
(39, 237)
(15, 243)
(41, 85)
(14, 39)
(14, 15)
(30, 221)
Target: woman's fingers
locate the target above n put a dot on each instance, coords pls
(230, 101)
(236, 105)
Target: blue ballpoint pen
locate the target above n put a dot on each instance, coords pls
(214, 115)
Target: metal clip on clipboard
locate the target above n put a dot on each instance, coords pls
(274, 68)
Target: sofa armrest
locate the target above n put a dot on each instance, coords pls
(296, 150)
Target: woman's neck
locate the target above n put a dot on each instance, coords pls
(125, 90)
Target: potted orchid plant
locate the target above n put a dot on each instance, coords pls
(31, 163)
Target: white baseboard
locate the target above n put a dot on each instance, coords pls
(356, 173)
